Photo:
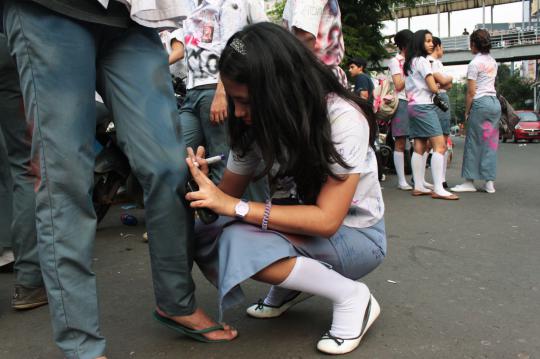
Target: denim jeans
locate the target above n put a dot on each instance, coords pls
(61, 63)
(15, 163)
(199, 131)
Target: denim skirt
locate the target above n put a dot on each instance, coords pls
(424, 121)
(400, 121)
(482, 140)
(229, 251)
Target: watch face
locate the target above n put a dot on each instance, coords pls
(242, 209)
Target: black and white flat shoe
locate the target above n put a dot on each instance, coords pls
(330, 344)
(264, 311)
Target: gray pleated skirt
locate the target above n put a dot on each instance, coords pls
(400, 121)
(482, 140)
(424, 122)
(229, 251)
(444, 117)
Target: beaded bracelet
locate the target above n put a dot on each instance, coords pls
(266, 217)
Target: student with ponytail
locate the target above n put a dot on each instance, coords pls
(421, 88)
(400, 121)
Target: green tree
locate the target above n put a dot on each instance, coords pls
(457, 96)
(362, 25)
(517, 90)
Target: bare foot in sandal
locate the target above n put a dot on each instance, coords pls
(199, 320)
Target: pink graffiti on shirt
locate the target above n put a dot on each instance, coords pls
(490, 135)
(191, 40)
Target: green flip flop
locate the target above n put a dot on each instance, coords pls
(192, 333)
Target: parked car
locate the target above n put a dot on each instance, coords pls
(528, 127)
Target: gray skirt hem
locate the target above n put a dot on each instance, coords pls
(235, 251)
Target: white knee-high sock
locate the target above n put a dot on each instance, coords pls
(437, 163)
(418, 169)
(350, 298)
(399, 163)
(445, 166)
(277, 296)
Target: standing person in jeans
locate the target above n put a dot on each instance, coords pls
(318, 25)
(445, 83)
(64, 53)
(483, 112)
(400, 121)
(204, 112)
(15, 162)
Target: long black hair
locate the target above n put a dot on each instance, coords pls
(416, 48)
(288, 88)
(403, 38)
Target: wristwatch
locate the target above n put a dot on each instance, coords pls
(241, 209)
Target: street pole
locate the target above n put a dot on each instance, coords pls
(438, 18)
(448, 23)
(483, 14)
(491, 18)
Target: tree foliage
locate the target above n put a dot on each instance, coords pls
(514, 88)
(362, 25)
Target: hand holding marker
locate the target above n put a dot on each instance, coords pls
(206, 215)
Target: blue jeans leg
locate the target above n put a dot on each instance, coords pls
(134, 79)
(199, 131)
(18, 142)
(57, 73)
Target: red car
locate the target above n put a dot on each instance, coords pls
(528, 127)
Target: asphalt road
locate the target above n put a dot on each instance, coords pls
(461, 280)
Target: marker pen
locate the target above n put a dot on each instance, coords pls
(211, 160)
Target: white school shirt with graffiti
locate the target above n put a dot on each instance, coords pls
(437, 66)
(418, 92)
(206, 31)
(395, 65)
(483, 70)
(350, 134)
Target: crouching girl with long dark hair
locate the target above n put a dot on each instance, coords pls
(324, 227)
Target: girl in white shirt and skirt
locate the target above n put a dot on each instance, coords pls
(421, 88)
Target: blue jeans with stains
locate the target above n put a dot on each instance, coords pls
(61, 63)
(17, 197)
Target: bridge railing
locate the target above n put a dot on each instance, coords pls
(499, 39)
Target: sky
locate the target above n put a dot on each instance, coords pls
(458, 21)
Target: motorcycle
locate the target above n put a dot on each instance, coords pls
(113, 177)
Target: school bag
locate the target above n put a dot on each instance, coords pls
(385, 100)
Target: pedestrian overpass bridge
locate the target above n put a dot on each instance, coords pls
(507, 46)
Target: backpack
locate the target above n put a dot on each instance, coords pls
(509, 119)
(385, 101)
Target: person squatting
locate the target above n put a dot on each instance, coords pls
(279, 98)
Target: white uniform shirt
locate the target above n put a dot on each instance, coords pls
(395, 65)
(437, 66)
(350, 133)
(207, 30)
(483, 70)
(155, 13)
(418, 92)
(178, 69)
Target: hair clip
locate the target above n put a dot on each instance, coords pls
(238, 46)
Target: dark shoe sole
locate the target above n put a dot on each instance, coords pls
(29, 306)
